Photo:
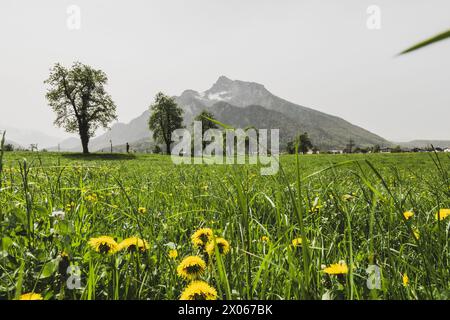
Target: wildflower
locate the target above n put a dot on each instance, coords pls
(337, 268)
(173, 253)
(92, 198)
(199, 290)
(405, 279)
(408, 214)
(347, 197)
(104, 244)
(265, 239)
(222, 245)
(31, 296)
(442, 214)
(315, 208)
(191, 267)
(70, 206)
(416, 233)
(297, 242)
(133, 243)
(142, 210)
(201, 237)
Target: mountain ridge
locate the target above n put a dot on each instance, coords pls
(326, 131)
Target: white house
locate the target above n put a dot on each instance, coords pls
(447, 150)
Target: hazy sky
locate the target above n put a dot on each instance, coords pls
(318, 54)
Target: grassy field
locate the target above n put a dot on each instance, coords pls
(346, 212)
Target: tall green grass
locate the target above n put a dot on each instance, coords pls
(347, 207)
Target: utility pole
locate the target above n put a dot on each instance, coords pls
(350, 146)
(110, 141)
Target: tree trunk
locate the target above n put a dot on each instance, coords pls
(168, 148)
(84, 141)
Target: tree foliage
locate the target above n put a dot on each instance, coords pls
(205, 118)
(80, 101)
(303, 141)
(166, 117)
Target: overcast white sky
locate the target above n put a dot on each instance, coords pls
(315, 53)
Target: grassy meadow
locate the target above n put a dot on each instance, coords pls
(321, 228)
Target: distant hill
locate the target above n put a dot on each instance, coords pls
(25, 137)
(241, 104)
(424, 143)
(119, 134)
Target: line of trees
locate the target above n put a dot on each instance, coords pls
(79, 99)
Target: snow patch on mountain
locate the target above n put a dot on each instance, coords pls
(220, 96)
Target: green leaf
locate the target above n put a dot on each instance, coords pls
(6, 243)
(49, 268)
(223, 125)
(436, 38)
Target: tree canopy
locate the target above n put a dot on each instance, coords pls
(205, 118)
(165, 117)
(303, 141)
(80, 101)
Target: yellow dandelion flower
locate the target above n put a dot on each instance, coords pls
(191, 267)
(405, 279)
(70, 206)
(316, 208)
(92, 198)
(265, 239)
(222, 245)
(442, 214)
(31, 296)
(133, 243)
(104, 244)
(173, 253)
(408, 214)
(142, 210)
(337, 268)
(348, 197)
(201, 237)
(297, 242)
(199, 290)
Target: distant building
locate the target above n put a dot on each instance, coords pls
(447, 150)
(336, 151)
(385, 150)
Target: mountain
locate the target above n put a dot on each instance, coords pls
(241, 104)
(25, 137)
(326, 131)
(425, 144)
